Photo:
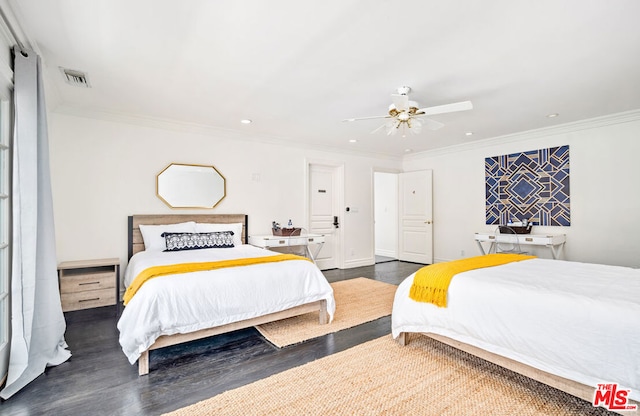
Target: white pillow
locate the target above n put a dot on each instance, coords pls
(235, 227)
(152, 234)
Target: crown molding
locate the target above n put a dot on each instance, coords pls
(611, 119)
(206, 130)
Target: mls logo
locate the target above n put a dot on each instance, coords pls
(612, 398)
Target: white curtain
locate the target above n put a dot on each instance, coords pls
(37, 322)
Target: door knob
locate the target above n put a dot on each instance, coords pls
(427, 222)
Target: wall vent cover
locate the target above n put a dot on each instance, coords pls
(76, 78)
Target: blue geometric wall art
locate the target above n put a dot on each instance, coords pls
(531, 185)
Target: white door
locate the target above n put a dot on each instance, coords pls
(416, 217)
(324, 212)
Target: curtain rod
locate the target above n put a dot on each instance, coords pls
(16, 39)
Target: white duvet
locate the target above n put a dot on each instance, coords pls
(577, 320)
(188, 302)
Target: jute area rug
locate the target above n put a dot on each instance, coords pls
(358, 301)
(381, 377)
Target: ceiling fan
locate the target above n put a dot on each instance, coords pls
(407, 114)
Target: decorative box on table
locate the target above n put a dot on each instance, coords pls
(286, 232)
(518, 229)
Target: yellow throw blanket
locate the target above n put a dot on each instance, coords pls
(156, 271)
(431, 283)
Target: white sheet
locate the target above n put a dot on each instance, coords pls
(189, 302)
(577, 320)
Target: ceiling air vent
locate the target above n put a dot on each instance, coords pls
(76, 78)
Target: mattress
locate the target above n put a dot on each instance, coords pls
(579, 321)
(189, 302)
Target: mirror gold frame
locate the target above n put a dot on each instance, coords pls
(190, 186)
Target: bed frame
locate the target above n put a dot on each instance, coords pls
(136, 244)
(568, 386)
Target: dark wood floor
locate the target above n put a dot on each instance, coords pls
(98, 379)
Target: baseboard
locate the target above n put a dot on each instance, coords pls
(350, 264)
(439, 260)
(387, 253)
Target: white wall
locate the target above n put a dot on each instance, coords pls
(605, 196)
(386, 214)
(103, 171)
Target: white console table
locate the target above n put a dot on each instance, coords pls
(270, 241)
(553, 242)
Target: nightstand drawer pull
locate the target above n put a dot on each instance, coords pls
(70, 283)
(88, 299)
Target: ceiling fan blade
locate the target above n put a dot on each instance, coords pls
(378, 129)
(400, 101)
(446, 108)
(432, 124)
(416, 125)
(365, 118)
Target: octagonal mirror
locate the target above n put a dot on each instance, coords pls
(190, 186)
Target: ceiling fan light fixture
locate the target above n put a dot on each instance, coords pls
(392, 126)
(404, 112)
(412, 108)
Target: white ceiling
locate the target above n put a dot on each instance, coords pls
(298, 68)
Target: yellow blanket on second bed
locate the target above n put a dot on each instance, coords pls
(156, 271)
(431, 283)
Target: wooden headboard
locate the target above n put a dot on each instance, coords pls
(136, 243)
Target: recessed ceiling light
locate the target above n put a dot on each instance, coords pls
(553, 115)
(469, 133)
(246, 121)
(353, 141)
(408, 150)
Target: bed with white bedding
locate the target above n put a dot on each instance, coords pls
(568, 324)
(171, 309)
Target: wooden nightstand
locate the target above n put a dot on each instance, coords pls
(88, 284)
